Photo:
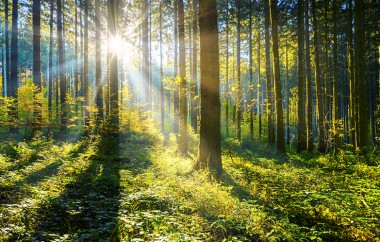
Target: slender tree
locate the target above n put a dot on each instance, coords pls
(238, 60)
(145, 52)
(259, 108)
(360, 73)
(176, 89)
(86, 65)
(98, 62)
(302, 134)
(6, 80)
(227, 69)
(194, 86)
(183, 140)
(309, 111)
(50, 76)
(277, 82)
(37, 119)
(209, 146)
(335, 110)
(13, 76)
(113, 7)
(268, 70)
(250, 72)
(317, 73)
(162, 94)
(61, 67)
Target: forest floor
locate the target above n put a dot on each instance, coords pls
(67, 190)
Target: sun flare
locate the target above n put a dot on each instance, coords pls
(116, 44)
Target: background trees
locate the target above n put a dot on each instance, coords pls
(96, 62)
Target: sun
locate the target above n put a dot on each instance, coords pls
(116, 44)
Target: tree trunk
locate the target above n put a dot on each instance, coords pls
(145, 54)
(335, 110)
(6, 81)
(37, 119)
(194, 86)
(113, 7)
(61, 67)
(227, 70)
(302, 134)
(85, 67)
(277, 82)
(162, 94)
(269, 86)
(321, 136)
(13, 76)
(50, 77)
(98, 62)
(209, 146)
(250, 74)
(259, 103)
(176, 89)
(309, 98)
(360, 73)
(183, 140)
(239, 96)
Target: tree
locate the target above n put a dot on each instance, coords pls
(61, 67)
(309, 109)
(50, 76)
(113, 6)
(6, 80)
(145, 53)
(317, 73)
(175, 72)
(360, 73)
(209, 146)
(183, 142)
(335, 110)
(238, 60)
(277, 82)
(194, 86)
(98, 62)
(13, 76)
(162, 94)
(37, 63)
(86, 66)
(302, 135)
(269, 86)
(250, 73)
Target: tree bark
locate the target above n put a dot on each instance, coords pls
(309, 97)
(268, 70)
(194, 85)
(13, 76)
(209, 146)
(239, 95)
(183, 139)
(302, 129)
(277, 82)
(98, 62)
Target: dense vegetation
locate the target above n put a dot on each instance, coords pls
(197, 120)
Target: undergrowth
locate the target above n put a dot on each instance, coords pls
(141, 189)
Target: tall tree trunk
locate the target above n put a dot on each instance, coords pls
(250, 73)
(98, 62)
(335, 110)
(162, 93)
(6, 81)
(277, 82)
(309, 98)
(37, 119)
(259, 103)
(113, 7)
(327, 94)
(227, 70)
(194, 86)
(50, 77)
(287, 90)
(86, 66)
(145, 54)
(13, 76)
(183, 142)
(302, 134)
(239, 96)
(61, 67)
(317, 71)
(360, 73)
(176, 89)
(209, 146)
(268, 70)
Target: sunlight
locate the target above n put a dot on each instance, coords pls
(116, 44)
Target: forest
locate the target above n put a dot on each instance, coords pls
(190, 120)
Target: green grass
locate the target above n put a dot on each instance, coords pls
(144, 191)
